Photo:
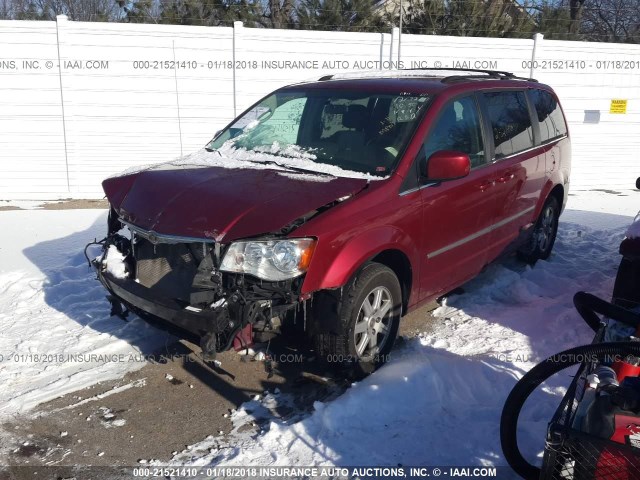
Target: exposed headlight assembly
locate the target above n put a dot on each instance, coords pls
(272, 260)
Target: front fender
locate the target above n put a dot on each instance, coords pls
(336, 261)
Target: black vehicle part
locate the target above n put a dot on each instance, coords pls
(588, 305)
(179, 284)
(261, 321)
(543, 234)
(625, 290)
(613, 400)
(167, 269)
(133, 294)
(283, 293)
(214, 342)
(209, 346)
(95, 242)
(117, 309)
(338, 348)
(207, 282)
(121, 243)
(113, 222)
(536, 376)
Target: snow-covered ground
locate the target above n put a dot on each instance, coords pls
(57, 336)
(437, 402)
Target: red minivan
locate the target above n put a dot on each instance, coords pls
(335, 207)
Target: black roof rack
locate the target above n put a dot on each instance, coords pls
(494, 74)
(486, 74)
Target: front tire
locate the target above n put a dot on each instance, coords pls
(368, 319)
(544, 234)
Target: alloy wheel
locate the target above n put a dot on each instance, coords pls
(373, 324)
(546, 229)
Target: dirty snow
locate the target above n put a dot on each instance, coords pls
(229, 157)
(438, 401)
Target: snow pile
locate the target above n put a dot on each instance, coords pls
(57, 335)
(115, 264)
(237, 158)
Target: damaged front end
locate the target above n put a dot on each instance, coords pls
(220, 294)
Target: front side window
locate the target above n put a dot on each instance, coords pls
(360, 131)
(510, 122)
(552, 124)
(458, 128)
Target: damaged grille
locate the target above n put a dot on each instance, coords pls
(168, 269)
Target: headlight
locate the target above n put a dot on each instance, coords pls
(271, 260)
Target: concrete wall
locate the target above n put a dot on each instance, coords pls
(78, 101)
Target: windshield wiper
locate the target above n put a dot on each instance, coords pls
(290, 167)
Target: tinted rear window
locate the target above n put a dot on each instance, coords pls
(510, 122)
(549, 115)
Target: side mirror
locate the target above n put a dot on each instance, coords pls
(638, 183)
(447, 165)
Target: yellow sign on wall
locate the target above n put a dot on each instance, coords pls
(618, 106)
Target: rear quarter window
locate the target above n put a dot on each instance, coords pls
(510, 122)
(549, 114)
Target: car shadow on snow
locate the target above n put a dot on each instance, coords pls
(537, 300)
(71, 288)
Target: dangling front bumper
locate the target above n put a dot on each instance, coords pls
(136, 297)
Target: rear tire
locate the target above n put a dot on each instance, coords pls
(367, 325)
(543, 237)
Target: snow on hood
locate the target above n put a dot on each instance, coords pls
(230, 157)
(221, 203)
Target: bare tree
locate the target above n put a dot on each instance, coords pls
(612, 21)
(5, 13)
(575, 13)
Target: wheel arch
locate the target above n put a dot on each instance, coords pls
(398, 261)
(558, 193)
(550, 190)
(387, 245)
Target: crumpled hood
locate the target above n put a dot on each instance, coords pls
(224, 204)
